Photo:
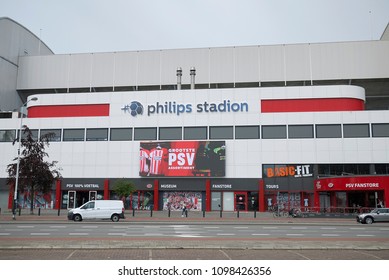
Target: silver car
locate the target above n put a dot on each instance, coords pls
(376, 215)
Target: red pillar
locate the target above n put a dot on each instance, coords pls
(316, 200)
(11, 195)
(262, 204)
(208, 198)
(156, 195)
(57, 194)
(386, 197)
(106, 189)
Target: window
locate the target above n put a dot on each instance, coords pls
(54, 134)
(381, 168)
(247, 132)
(96, 134)
(328, 131)
(121, 134)
(170, 133)
(221, 132)
(273, 132)
(34, 134)
(300, 131)
(380, 129)
(7, 135)
(145, 133)
(355, 130)
(195, 133)
(74, 134)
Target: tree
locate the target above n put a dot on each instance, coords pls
(123, 188)
(35, 174)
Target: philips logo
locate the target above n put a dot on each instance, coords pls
(134, 108)
(171, 107)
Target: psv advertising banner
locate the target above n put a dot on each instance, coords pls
(182, 159)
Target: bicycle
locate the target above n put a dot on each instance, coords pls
(280, 213)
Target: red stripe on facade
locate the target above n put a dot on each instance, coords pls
(311, 105)
(61, 111)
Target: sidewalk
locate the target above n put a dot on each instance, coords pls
(175, 216)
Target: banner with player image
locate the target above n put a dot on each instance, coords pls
(183, 159)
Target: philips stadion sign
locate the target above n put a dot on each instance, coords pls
(136, 108)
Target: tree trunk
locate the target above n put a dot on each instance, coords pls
(32, 201)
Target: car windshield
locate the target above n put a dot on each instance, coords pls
(375, 210)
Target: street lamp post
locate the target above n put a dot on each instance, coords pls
(18, 160)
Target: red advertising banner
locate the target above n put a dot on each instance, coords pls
(182, 159)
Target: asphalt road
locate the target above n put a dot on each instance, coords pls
(204, 230)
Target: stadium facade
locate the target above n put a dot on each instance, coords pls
(303, 125)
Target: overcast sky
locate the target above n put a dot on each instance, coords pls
(84, 26)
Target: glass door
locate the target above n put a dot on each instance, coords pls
(72, 199)
(241, 201)
(92, 195)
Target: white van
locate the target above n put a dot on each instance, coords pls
(98, 209)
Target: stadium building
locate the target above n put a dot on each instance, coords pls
(302, 125)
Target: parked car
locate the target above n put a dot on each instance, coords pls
(98, 209)
(376, 215)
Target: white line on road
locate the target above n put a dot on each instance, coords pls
(25, 226)
(211, 227)
(39, 233)
(365, 235)
(294, 234)
(1, 233)
(329, 234)
(225, 234)
(299, 228)
(58, 226)
(78, 233)
(327, 228)
(383, 228)
(116, 233)
(260, 234)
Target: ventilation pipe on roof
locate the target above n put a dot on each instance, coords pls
(192, 77)
(179, 75)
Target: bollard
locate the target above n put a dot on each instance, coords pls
(255, 213)
(203, 213)
(168, 213)
(20, 211)
(133, 212)
(59, 211)
(237, 213)
(39, 211)
(151, 212)
(221, 213)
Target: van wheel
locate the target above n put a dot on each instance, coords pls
(77, 218)
(115, 218)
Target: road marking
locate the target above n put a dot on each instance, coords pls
(1, 233)
(211, 227)
(78, 233)
(299, 228)
(294, 234)
(116, 233)
(327, 228)
(240, 227)
(260, 234)
(354, 228)
(365, 235)
(89, 226)
(153, 234)
(25, 226)
(39, 233)
(383, 228)
(188, 236)
(225, 234)
(58, 226)
(328, 234)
